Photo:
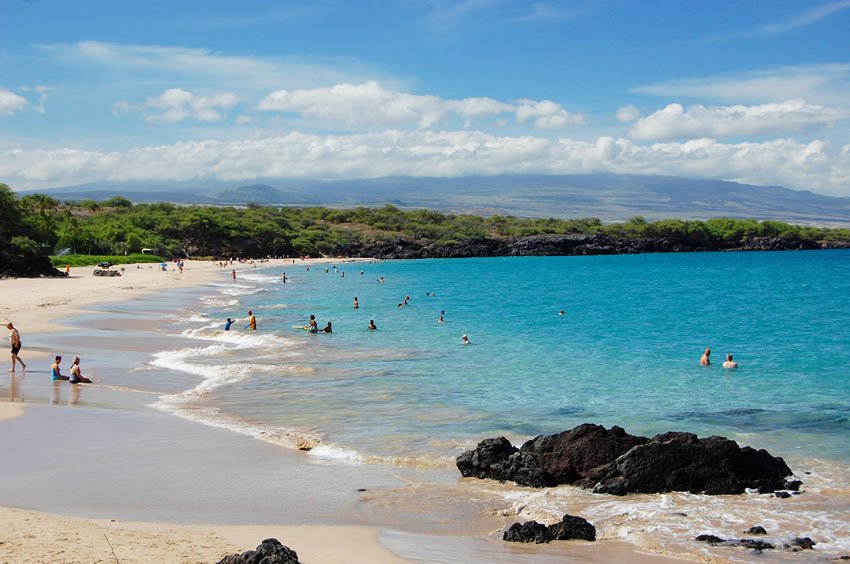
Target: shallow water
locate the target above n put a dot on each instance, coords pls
(625, 353)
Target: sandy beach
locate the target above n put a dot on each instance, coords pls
(138, 485)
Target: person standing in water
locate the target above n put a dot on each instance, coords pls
(328, 328)
(252, 321)
(704, 360)
(464, 339)
(15, 342)
(314, 327)
(228, 323)
(372, 326)
(356, 303)
(729, 363)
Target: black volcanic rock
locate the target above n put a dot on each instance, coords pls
(568, 528)
(270, 551)
(757, 530)
(682, 462)
(614, 462)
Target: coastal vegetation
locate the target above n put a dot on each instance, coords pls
(37, 225)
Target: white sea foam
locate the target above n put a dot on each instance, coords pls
(219, 301)
(262, 278)
(240, 339)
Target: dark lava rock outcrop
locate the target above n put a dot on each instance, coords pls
(614, 462)
(270, 551)
(568, 528)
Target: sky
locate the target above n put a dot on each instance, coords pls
(755, 91)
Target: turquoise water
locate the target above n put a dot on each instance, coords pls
(625, 353)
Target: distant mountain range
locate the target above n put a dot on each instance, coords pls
(610, 197)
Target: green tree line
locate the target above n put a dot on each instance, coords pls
(38, 222)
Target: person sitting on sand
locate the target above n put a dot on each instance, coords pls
(372, 326)
(56, 371)
(464, 339)
(15, 342)
(76, 375)
(704, 360)
(729, 362)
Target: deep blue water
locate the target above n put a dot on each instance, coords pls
(625, 353)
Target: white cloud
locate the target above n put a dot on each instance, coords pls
(806, 18)
(827, 84)
(817, 165)
(627, 113)
(675, 122)
(372, 104)
(194, 66)
(11, 102)
(175, 105)
(546, 114)
(43, 94)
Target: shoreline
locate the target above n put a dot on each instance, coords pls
(475, 544)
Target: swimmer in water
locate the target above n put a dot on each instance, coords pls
(464, 339)
(704, 360)
(372, 326)
(729, 363)
(314, 327)
(328, 328)
(562, 312)
(356, 303)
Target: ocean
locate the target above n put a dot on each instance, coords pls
(625, 351)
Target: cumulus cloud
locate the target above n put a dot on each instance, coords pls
(816, 165)
(11, 102)
(546, 114)
(627, 113)
(372, 104)
(175, 105)
(675, 122)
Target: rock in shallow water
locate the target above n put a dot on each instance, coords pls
(614, 462)
(569, 528)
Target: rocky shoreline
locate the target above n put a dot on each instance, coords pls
(564, 245)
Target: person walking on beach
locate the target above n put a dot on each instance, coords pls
(15, 341)
(55, 371)
(704, 360)
(729, 362)
(76, 376)
(252, 321)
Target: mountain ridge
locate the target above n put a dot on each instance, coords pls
(608, 196)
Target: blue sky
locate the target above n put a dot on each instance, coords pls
(755, 91)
